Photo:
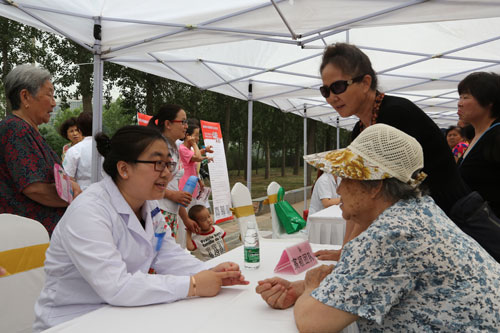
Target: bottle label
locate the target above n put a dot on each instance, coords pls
(252, 254)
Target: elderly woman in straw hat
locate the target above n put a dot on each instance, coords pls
(411, 269)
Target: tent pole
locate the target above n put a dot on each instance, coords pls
(305, 153)
(249, 143)
(338, 133)
(97, 100)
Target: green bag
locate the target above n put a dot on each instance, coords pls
(287, 215)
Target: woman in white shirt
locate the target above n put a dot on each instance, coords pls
(112, 237)
(324, 193)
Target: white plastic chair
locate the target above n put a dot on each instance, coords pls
(243, 208)
(23, 243)
(278, 230)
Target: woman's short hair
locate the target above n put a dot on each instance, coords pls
(350, 60)
(166, 112)
(63, 129)
(27, 77)
(128, 143)
(485, 88)
(394, 189)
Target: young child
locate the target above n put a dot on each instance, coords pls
(210, 241)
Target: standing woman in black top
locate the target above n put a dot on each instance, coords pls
(350, 87)
(479, 105)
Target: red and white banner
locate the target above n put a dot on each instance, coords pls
(143, 119)
(219, 177)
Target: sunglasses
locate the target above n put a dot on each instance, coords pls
(184, 121)
(338, 87)
(160, 165)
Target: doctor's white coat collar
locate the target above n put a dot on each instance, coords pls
(127, 214)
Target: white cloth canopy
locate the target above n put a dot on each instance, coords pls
(420, 49)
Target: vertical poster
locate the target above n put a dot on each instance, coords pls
(219, 177)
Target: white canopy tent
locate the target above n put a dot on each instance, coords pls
(270, 50)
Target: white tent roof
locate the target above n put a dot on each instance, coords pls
(420, 49)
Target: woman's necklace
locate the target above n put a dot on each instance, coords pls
(375, 110)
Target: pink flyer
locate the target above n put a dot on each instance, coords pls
(63, 184)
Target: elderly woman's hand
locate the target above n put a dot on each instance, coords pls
(279, 293)
(76, 189)
(328, 254)
(316, 275)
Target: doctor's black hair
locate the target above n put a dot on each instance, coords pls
(128, 143)
(166, 112)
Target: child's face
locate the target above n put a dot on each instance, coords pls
(204, 220)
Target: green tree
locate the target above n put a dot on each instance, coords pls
(115, 117)
(18, 45)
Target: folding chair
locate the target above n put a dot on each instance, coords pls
(23, 243)
(243, 209)
(278, 230)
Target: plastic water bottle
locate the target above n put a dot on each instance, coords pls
(190, 185)
(251, 247)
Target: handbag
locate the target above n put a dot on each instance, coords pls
(289, 219)
(476, 218)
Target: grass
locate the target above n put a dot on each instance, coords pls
(259, 184)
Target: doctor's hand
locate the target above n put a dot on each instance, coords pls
(328, 254)
(279, 293)
(229, 266)
(316, 275)
(208, 283)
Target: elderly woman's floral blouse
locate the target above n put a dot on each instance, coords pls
(25, 158)
(414, 270)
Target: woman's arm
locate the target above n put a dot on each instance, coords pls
(46, 194)
(327, 202)
(180, 197)
(313, 316)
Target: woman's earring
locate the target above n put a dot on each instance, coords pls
(124, 174)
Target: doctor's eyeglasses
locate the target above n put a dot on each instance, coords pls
(160, 165)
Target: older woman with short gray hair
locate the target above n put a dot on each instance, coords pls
(411, 269)
(26, 160)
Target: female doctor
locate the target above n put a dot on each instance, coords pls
(112, 245)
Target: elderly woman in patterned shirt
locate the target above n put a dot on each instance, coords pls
(410, 269)
(27, 183)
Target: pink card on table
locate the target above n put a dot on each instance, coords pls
(296, 259)
(63, 184)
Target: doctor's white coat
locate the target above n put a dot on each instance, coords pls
(100, 254)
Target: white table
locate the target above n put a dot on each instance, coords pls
(235, 309)
(327, 226)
